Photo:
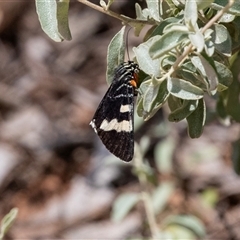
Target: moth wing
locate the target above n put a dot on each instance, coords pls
(113, 120)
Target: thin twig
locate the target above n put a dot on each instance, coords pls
(146, 197)
(124, 19)
(150, 214)
(218, 16)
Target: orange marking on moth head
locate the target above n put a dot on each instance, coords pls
(135, 75)
(133, 83)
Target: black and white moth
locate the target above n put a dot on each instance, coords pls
(113, 120)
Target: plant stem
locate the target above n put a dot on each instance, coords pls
(217, 16)
(146, 197)
(150, 214)
(126, 20)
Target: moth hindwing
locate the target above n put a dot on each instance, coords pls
(113, 120)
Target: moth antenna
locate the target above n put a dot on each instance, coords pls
(127, 43)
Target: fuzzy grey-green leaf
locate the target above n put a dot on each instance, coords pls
(62, 18)
(209, 48)
(174, 103)
(53, 17)
(7, 221)
(190, 14)
(183, 89)
(226, 18)
(160, 28)
(184, 111)
(224, 75)
(115, 54)
(123, 204)
(141, 14)
(143, 88)
(197, 39)
(188, 221)
(161, 195)
(196, 120)
(163, 155)
(154, 9)
(165, 43)
(207, 71)
(222, 40)
(153, 98)
(149, 96)
(146, 63)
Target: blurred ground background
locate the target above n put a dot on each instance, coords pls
(52, 163)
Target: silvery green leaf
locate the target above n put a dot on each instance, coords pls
(226, 18)
(7, 221)
(225, 76)
(207, 71)
(183, 89)
(154, 9)
(165, 43)
(197, 39)
(123, 205)
(190, 15)
(146, 63)
(115, 54)
(209, 48)
(149, 96)
(160, 28)
(184, 111)
(189, 222)
(196, 120)
(161, 195)
(174, 103)
(103, 4)
(222, 40)
(142, 14)
(189, 73)
(153, 98)
(163, 155)
(53, 17)
(171, 27)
